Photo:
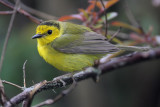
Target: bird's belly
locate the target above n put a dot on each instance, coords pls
(67, 62)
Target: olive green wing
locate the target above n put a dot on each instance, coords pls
(86, 43)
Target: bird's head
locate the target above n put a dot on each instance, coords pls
(47, 31)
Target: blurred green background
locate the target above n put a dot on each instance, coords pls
(133, 86)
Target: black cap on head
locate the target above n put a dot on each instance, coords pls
(51, 23)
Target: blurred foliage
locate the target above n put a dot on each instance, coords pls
(133, 86)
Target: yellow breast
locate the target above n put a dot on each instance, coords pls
(66, 62)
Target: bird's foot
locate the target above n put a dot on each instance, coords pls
(96, 71)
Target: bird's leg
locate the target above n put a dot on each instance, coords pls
(96, 63)
(96, 70)
(61, 78)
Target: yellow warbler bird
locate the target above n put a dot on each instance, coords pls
(70, 47)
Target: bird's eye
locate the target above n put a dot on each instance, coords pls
(49, 32)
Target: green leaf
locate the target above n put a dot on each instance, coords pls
(110, 16)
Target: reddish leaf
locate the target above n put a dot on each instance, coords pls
(90, 7)
(98, 4)
(125, 25)
(70, 17)
(110, 3)
(94, 14)
(106, 3)
(137, 38)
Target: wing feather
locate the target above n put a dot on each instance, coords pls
(87, 43)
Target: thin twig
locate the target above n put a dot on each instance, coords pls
(24, 74)
(10, 83)
(25, 13)
(60, 96)
(28, 101)
(8, 34)
(131, 17)
(3, 97)
(114, 34)
(119, 35)
(24, 82)
(105, 16)
(38, 13)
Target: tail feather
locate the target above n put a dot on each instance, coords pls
(132, 48)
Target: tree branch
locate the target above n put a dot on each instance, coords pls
(8, 33)
(38, 13)
(2, 93)
(109, 66)
(25, 13)
(6, 12)
(57, 98)
(10, 83)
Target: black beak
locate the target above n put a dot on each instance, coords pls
(37, 36)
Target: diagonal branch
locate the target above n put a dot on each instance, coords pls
(109, 66)
(6, 12)
(10, 83)
(8, 33)
(57, 98)
(131, 17)
(10, 5)
(28, 101)
(2, 93)
(38, 13)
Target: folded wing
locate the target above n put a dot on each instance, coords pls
(86, 43)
